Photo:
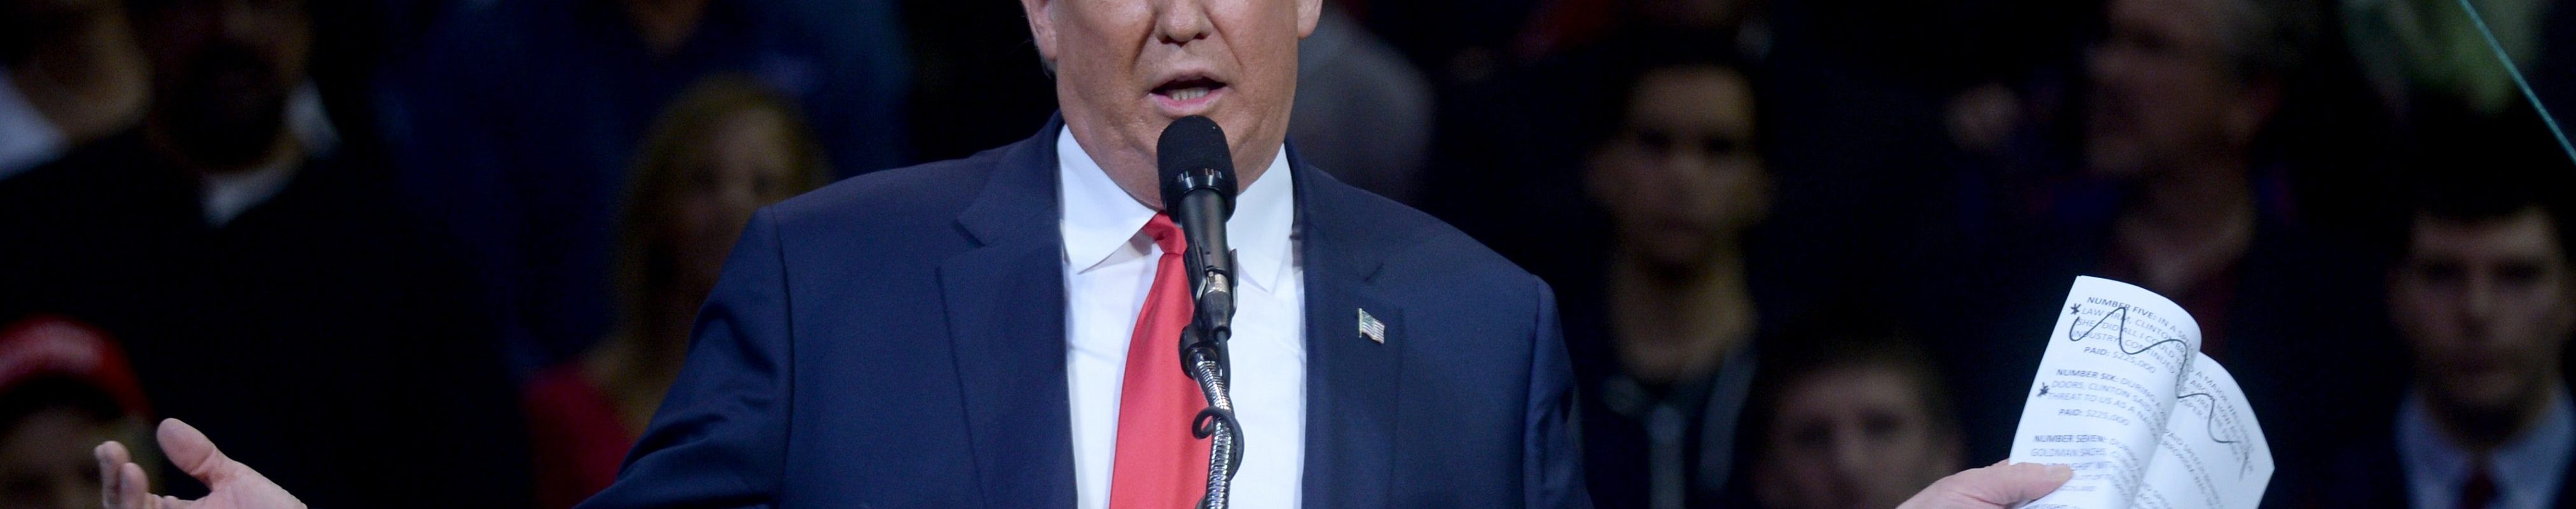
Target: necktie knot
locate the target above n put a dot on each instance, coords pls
(1166, 234)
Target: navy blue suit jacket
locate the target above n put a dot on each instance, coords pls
(897, 340)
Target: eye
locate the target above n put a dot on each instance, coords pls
(1879, 426)
(2520, 274)
(2440, 273)
(702, 178)
(1811, 436)
(1720, 147)
(1659, 142)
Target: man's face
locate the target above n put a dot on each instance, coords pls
(1125, 69)
(2486, 307)
(45, 459)
(1682, 177)
(2162, 91)
(1851, 437)
(221, 73)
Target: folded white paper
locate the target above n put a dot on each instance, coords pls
(2125, 397)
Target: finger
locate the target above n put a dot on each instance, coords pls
(133, 491)
(111, 458)
(170, 502)
(195, 454)
(2009, 484)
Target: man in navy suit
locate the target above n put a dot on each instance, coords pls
(958, 334)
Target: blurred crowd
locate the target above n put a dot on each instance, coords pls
(1808, 250)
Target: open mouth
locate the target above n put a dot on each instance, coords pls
(1189, 89)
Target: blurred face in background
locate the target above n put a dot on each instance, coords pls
(1682, 179)
(2163, 88)
(747, 161)
(221, 74)
(1852, 436)
(45, 460)
(1124, 69)
(2486, 307)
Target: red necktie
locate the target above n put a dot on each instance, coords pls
(1159, 463)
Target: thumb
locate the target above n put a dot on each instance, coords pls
(197, 455)
(2000, 485)
(2010, 484)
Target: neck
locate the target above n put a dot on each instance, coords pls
(1133, 166)
(665, 24)
(2484, 431)
(638, 364)
(2200, 197)
(86, 76)
(1672, 323)
(663, 341)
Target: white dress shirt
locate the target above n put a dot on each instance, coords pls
(2527, 468)
(1108, 267)
(226, 196)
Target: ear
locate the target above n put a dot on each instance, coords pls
(1309, 12)
(1041, 27)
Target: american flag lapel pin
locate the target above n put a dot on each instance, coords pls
(1371, 328)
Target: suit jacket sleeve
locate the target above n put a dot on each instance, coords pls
(719, 440)
(1553, 464)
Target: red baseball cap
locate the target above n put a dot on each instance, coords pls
(47, 346)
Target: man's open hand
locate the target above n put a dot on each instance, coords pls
(1996, 486)
(230, 485)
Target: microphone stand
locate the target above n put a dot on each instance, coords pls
(1203, 356)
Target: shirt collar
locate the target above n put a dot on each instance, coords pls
(1102, 224)
(2527, 468)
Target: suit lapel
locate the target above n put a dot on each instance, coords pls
(1005, 314)
(1351, 381)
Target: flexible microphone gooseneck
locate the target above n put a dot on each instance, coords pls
(1197, 173)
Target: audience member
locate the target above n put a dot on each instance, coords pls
(1849, 414)
(1662, 345)
(513, 123)
(260, 281)
(2484, 296)
(69, 75)
(2181, 92)
(63, 387)
(725, 148)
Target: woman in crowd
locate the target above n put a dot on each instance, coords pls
(720, 151)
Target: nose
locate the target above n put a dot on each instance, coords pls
(1182, 21)
(1853, 455)
(2478, 306)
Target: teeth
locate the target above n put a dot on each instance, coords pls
(1191, 93)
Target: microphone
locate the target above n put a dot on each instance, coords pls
(1197, 172)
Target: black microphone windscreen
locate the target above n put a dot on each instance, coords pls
(1192, 144)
